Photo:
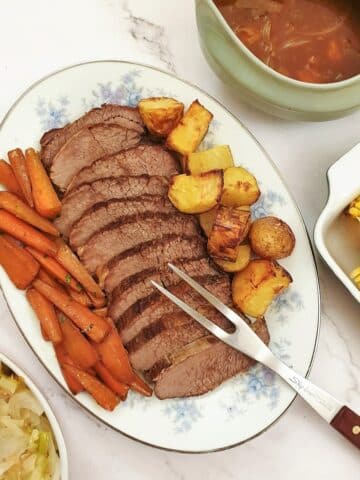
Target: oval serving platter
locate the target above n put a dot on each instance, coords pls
(246, 405)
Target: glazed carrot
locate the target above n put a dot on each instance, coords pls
(80, 297)
(76, 345)
(26, 233)
(8, 179)
(66, 257)
(101, 394)
(17, 161)
(115, 358)
(13, 204)
(117, 387)
(44, 334)
(45, 312)
(45, 199)
(95, 327)
(102, 312)
(45, 277)
(20, 266)
(63, 358)
(55, 269)
(138, 385)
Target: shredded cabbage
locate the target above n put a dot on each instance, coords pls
(27, 446)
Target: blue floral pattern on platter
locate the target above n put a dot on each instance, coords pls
(259, 382)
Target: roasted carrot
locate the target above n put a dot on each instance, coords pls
(115, 358)
(102, 312)
(117, 387)
(76, 345)
(44, 334)
(138, 385)
(101, 394)
(63, 358)
(17, 161)
(8, 179)
(66, 257)
(26, 233)
(80, 297)
(13, 204)
(45, 312)
(45, 199)
(45, 277)
(55, 269)
(94, 326)
(20, 266)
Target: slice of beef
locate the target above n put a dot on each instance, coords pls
(88, 195)
(104, 213)
(140, 160)
(86, 146)
(115, 239)
(153, 254)
(53, 140)
(149, 310)
(201, 366)
(134, 288)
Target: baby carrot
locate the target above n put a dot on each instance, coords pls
(17, 161)
(13, 204)
(63, 358)
(138, 385)
(8, 179)
(20, 266)
(26, 233)
(117, 387)
(45, 199)
(45, 312)
(101, 394)
(55, 269)
(94, 326)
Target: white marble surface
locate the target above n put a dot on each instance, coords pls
(39, 37)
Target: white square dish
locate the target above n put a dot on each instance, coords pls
(337, 236)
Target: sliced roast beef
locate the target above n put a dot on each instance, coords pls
(201, 366)
(153, 254)
(104, 213)
(88, 195)
(86, 146)
(149, 310)
(106, 244)
(138, 286)
(53, 140)
(140, 160)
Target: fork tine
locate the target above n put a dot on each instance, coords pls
(236, 318)
(205, 322)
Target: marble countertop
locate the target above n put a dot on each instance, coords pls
(39, 37)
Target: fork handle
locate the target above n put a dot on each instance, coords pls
(347, 423)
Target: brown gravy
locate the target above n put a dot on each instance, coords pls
(314, 41)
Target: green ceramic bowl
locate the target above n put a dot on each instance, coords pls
(263, 87)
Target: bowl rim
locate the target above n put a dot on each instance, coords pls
(270, 71)
(54, 423)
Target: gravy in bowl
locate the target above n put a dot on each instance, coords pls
(315, 41)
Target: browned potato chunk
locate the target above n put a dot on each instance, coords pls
(255, 287)
(230, 228)
(271, 238)
(207, 220)
(242, 260)
(188, 134)
(196, 193)
(160, 114)
(240, 188)
(216, 158)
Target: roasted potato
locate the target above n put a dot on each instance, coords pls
(255, 287)
(207, 220)
(230, 228)
(242, 260)
(188, 134)
(160, 114)
(271, 238)
(216, 158)
(196, 193)
(240, 187)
